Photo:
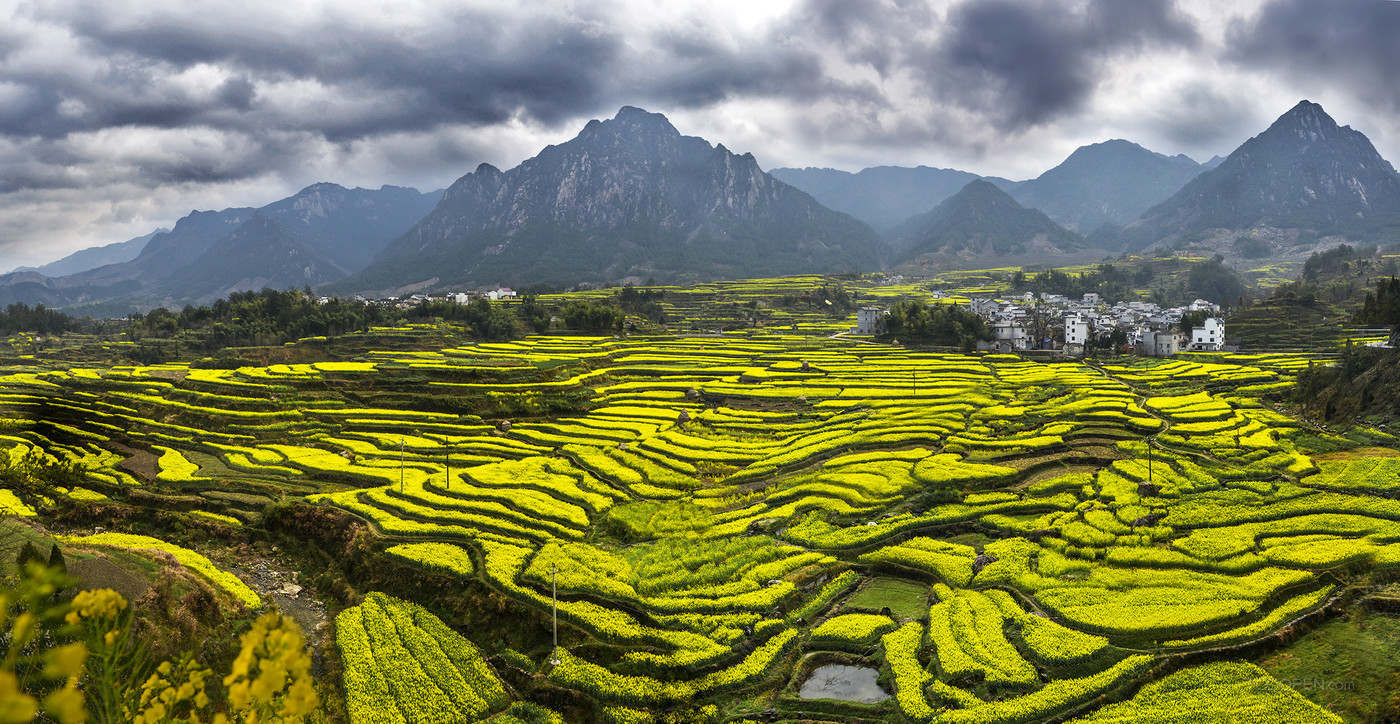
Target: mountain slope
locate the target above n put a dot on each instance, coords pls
(95, 256)
(882, 196)
(981, 222)
(259, 253)
(336, 230)
(1112, 182)
(627, 198)
(1303, 173)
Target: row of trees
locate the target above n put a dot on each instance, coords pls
(948, 325)
(1111, 283)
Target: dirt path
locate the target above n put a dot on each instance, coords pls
(290, 594)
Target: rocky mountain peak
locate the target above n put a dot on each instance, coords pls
(1307, 121)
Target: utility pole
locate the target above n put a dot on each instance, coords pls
(554, 610)
(400, 465)
(1149, 460)
(449, 468)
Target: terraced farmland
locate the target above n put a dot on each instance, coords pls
(710, 518)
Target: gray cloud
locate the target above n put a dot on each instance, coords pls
(145, 105)
(1023, 63)
(1353, 43)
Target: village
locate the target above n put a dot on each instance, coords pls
(1054, 322)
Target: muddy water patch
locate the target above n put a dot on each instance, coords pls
(847, 683)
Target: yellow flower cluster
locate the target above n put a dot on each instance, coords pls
(271, 678)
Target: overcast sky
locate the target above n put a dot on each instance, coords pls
(118, 118)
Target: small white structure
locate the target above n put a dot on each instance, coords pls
(983, 306)
(1091, 297)
(1076, 334)
(1012, 333)
(501, 293)
(460, 297)
(868, 320)
(1210, 336)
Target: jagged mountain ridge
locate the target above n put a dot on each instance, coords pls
(627, 198)
(1303, 173)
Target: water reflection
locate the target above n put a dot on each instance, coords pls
(847, 683)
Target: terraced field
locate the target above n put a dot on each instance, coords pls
(1007, 541)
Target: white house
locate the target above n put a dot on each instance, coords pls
(1076, 334)
(868, 320)
(1091, 297)
(1013, 333)
(1210, 336)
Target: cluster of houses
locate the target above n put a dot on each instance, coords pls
(1148, 328)
(1070, 326)
(413, 300)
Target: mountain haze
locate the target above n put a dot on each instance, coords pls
(325, 231)
(981, 222)
(1112, 182)
(94, 256)
(882, 196)
(626, 199)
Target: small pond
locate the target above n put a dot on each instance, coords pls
(847, 683)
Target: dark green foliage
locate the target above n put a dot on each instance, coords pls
(1251, 248)
(1333, 261)
(948, 325)
(28, 554)
(56, 559)
(1364, 386)
(1215, 282)
(644, 303)
(1111, 283)
(1192, 320)
(260, 318)
(592, 316)
(484, 320)
(834, 301)
(1382, 308)
(24, 318)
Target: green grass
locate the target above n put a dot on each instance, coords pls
(906, 599)
(1350, 666)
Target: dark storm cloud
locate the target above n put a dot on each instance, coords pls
(1354, 43)
(473, 67)
(1024, 63)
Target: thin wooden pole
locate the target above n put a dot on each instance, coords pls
(400, 465)
(554, 610)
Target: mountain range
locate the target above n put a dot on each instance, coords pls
(626, 199)
(630, 199)
(321, 234)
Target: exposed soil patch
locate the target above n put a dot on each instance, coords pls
(285, 590)
(141, 463)
(102, 573)
(1361, 452)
